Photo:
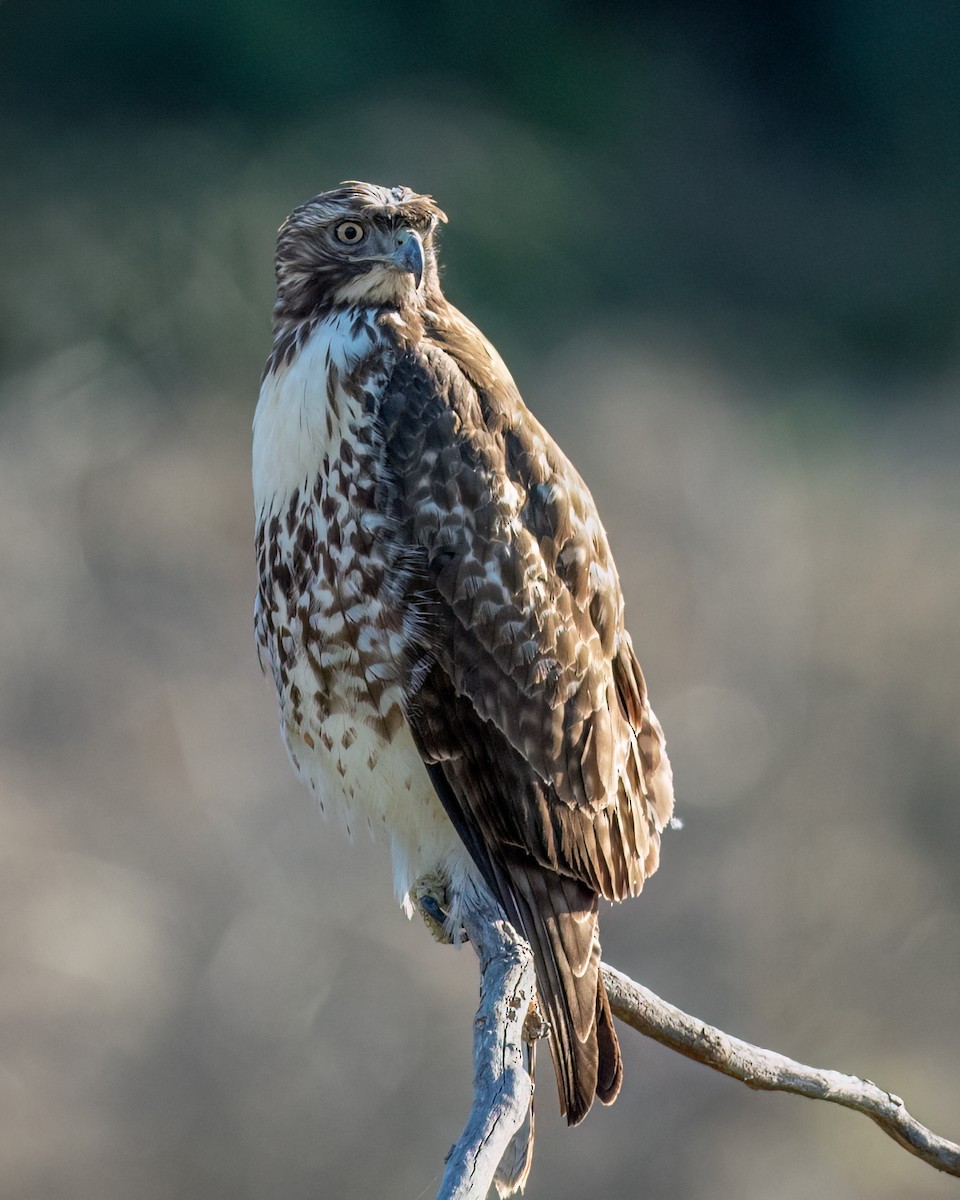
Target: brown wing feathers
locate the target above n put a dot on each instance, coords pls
(528, 707)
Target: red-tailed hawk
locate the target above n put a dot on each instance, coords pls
(441, 612)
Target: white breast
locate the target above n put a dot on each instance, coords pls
(291, 434)
(331, 638)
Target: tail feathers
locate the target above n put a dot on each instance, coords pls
(610, 1064)
(558, 916)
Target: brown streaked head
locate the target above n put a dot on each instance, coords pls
(357, 244)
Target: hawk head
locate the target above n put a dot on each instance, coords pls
(358, 244)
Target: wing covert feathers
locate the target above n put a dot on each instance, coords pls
(525, 696)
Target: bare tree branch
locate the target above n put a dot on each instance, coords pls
(765, 1070)
(502, 1087)
(499, 1132)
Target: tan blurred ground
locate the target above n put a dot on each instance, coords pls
(207, 994)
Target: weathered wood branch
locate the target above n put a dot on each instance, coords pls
(496, 1133)
(502, 1086)
(765, 1070)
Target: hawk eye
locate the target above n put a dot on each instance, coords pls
(350, 232)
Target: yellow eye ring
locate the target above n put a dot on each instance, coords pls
(350, 232)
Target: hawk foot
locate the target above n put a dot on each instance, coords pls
(429, 894)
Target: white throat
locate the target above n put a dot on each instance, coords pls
(303, 408)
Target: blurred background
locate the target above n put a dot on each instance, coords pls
(719, 248)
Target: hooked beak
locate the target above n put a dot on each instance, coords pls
(408, 255)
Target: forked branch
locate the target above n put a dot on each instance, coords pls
(502, 1087)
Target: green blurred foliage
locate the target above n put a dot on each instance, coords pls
(777, 181)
